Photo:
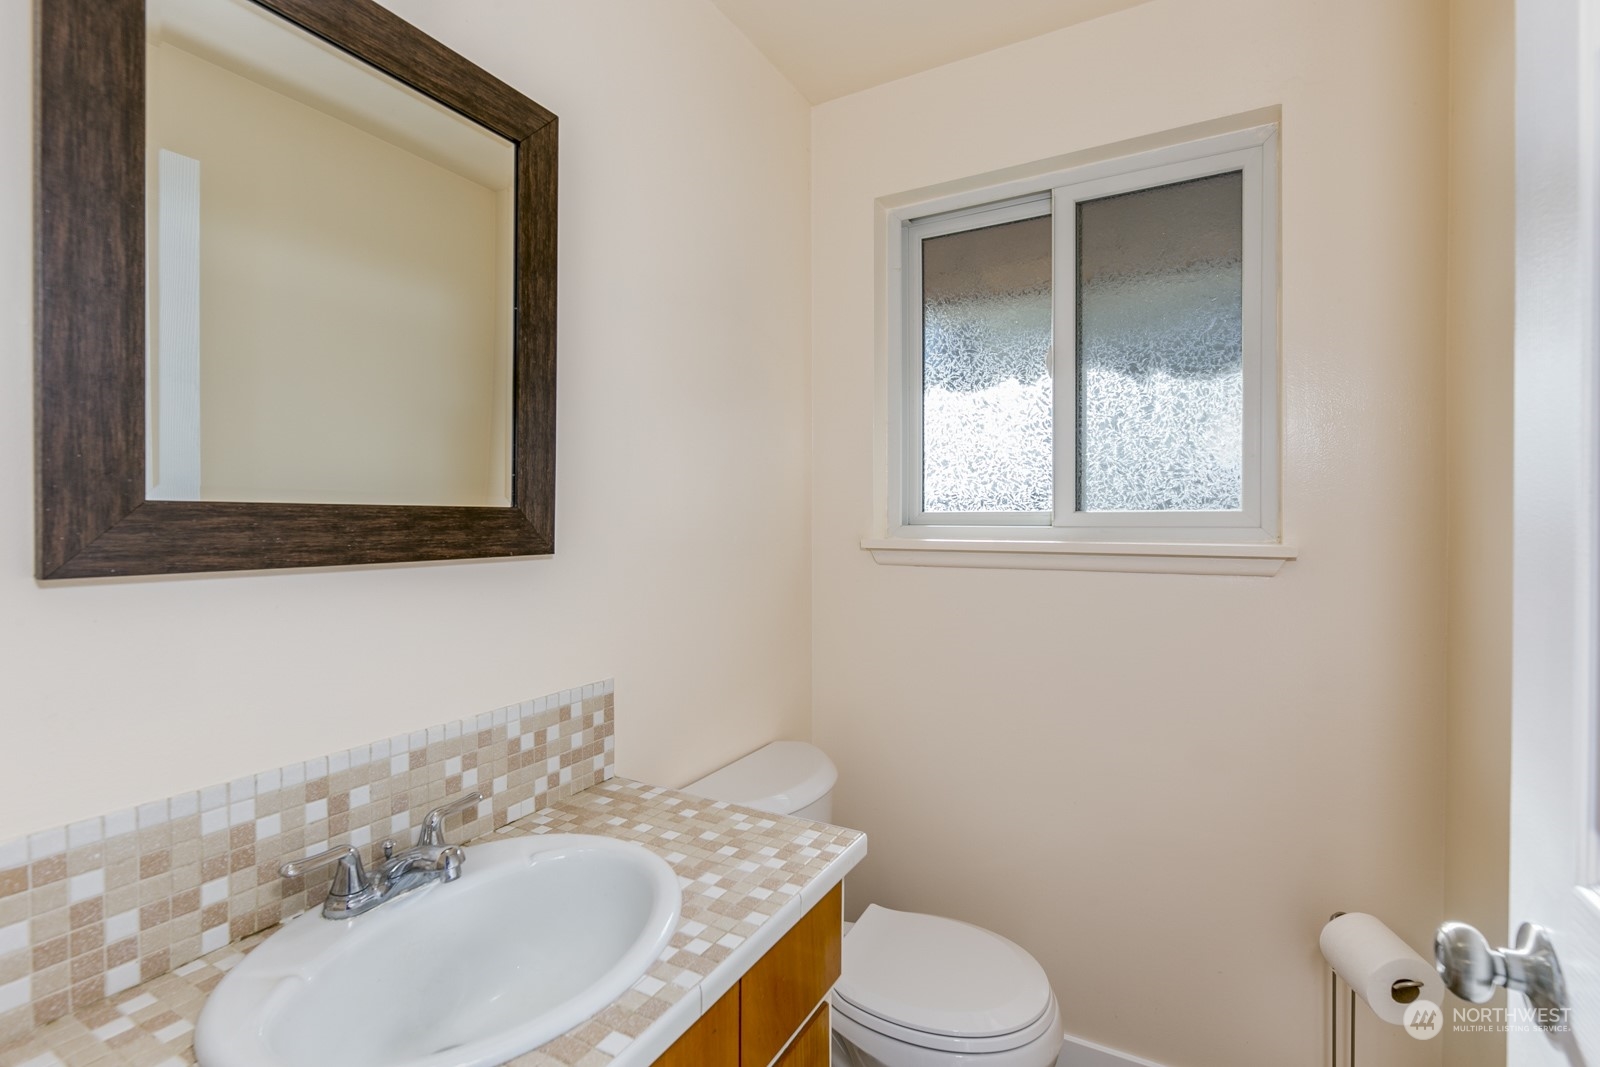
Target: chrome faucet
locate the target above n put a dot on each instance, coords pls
(431, 859)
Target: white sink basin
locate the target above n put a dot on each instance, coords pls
(537, 934)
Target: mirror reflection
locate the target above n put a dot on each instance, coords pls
(330, 275)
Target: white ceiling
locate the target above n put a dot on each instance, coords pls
(829, 48)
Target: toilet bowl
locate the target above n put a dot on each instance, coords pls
(915, 990)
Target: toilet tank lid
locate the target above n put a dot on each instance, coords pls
(781, 778)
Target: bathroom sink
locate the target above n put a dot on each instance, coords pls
(537, 934)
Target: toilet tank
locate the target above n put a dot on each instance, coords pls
(785, 778)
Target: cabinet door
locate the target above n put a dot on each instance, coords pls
(812, 1046)
(713, 1041)
(785, 986)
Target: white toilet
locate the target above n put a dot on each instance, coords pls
(916, 990)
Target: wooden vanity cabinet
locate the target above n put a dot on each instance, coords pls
(782, 997)
(712, 1040)
(813, 1046)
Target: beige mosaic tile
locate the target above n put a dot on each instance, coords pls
(90, 910)
(737, 868)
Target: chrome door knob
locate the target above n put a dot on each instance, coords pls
(1471, 969)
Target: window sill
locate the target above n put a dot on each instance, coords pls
(1259, 560)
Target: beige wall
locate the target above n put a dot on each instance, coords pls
(1478, 480)
(350, 301)
(683, 304)
(1163, 785)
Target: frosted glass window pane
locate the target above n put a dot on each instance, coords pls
(986, 432)
(1160, 373)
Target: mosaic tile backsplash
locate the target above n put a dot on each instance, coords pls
(92, 909)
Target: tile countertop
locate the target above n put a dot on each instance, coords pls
(747, 879)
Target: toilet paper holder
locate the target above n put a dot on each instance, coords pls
(1403, 990)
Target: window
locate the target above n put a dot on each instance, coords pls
(1091, 356)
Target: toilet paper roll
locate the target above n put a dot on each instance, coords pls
(1370, 957)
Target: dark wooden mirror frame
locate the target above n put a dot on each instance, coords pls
(89, 387)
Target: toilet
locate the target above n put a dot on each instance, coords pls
(916, 990)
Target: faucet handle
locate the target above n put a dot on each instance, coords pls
(449, 863)
(432, 833)
(350, 880)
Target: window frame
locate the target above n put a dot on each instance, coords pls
(1253, 152)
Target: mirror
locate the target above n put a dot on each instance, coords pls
(348, 233)
(329, 274)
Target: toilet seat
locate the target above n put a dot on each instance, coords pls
(942, 984)
(1045, 1028)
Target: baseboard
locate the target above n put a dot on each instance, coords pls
(1080, 1053)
